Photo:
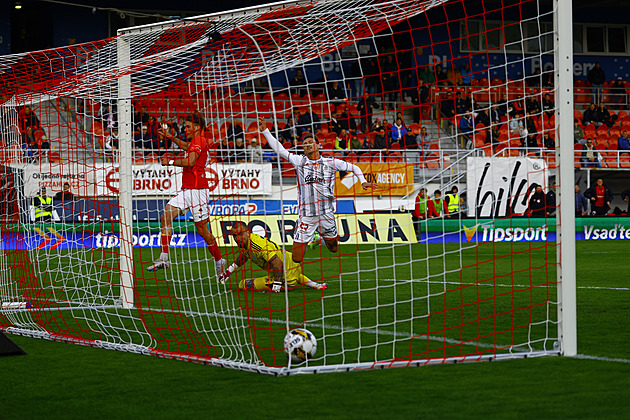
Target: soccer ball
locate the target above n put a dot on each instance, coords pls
(299, 345)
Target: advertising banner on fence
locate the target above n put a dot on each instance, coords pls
(353, 229)
(361, 229)
(146, 210)
(102, 179)
(499, 187)
(393, 178)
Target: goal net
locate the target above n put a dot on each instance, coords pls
(450, 107)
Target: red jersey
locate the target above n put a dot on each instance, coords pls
(194, 177)
(600, 192)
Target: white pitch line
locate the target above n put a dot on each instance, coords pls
(489, 284)
(600, 358)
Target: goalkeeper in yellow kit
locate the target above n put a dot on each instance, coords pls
(268, 256)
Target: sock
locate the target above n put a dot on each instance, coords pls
(165, 241)
(164, 256)
(311, 283)
(214, 250)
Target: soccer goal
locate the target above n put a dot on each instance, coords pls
(456, 109)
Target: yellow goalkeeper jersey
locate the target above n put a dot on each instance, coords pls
(262, 250)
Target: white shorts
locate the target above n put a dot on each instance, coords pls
(194, 200)
(306, 226)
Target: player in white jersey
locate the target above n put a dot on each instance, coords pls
(316, 191)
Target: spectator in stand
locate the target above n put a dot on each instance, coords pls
(224, 152)
(153, 128)
(604, 116)
(240, 154)
(624, 142)
(533, 80)
(578, 133)
(398, 132)
(341, 142)
(347, 121)
(625, 196)
(380, 140)
(440, 76)
(463, 104)
(618, 93)
(366, 106)
(355, 145)
(427, 76)
(290, 132)
(334, 126)
(357, 74)
(298, 83)
(447, 110)
(495, 115)
(255, 151)
(366, 146)
(466, 74)
(423, 140)
(515, 107)
(596, 77)
(376, 125)
(27, 119)
(590, 158)
(372, 72)
(142, 140)
(309, 122)
(581, 204)
(532, 106)
(600, 197)
(111, 141)
(591, 116)
(389, 78)
(466, 129)
(436, 206)
(504, 105)
(420, 210)
(65, 194)
(548, 78)
(548, 106)
(234, 131)
(141, 118)
(334, 92)
(180, 126)
(530, 142)
(537, 203)
(548, 141)
(483, 117)
(161, 144)
(454, 76)
(551, 200)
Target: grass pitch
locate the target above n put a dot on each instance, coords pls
(59, 380)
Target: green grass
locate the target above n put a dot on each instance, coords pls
(61, 380)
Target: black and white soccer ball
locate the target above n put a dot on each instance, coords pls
(299, 345)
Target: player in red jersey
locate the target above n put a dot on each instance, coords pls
(193, 195)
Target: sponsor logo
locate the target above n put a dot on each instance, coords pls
(514, 234)
(617, 232)
(470, 232)
(312, 179)
(109, 240)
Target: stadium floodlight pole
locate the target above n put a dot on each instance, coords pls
(125, 184)
(567, 307)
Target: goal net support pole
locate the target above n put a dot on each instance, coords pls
(125, 175)
(567, 326)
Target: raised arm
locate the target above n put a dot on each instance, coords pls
(273, 142)
(359, 174)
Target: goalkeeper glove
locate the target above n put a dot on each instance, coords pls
(276, 286)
